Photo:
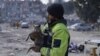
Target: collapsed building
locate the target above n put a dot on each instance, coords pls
(21, 9)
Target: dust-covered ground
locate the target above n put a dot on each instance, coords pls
(12, 41)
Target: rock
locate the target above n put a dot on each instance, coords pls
(16, 48)
(10, 40)
(11, 54)
(25, 48)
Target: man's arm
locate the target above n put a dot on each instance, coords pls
(59, 44)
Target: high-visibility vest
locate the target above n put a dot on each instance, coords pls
(60, 41)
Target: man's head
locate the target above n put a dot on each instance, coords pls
(55, 11)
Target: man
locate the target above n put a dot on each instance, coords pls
(58, 34)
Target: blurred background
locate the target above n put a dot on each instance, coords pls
(29, 10)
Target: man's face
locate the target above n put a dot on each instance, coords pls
(50, 17)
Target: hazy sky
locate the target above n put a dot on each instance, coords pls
(46, 1)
